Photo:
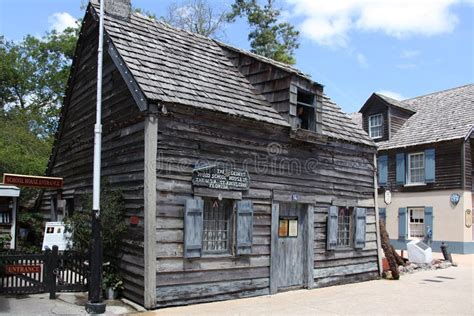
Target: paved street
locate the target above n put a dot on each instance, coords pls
(441, 292)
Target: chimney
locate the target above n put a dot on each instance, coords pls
(118, 8)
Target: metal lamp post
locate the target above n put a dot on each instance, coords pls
(95, 305)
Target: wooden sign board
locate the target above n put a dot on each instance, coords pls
(221, 178)
(32, 181)
(21, 269)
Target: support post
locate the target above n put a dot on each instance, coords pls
(377, 217)
(53, 270)
(151, 144)
(274, 248)
(95, 305)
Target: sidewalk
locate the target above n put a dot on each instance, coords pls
(65, 304)
(443, 292)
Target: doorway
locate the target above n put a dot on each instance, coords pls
(292, 252)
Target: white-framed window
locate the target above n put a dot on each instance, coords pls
(376, 126)
(416, 222)
(416, 168)
(344, 227)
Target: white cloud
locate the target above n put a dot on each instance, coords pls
(329, 22)
(410, 53)
(391, 94)
(362, 60)
(60, 21)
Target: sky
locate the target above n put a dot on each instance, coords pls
(400, 48)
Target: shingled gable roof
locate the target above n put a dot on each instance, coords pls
(175, 66)
(440, 116)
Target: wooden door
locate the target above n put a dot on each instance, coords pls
(291, 248)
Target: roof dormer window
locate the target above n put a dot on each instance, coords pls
(376, 126)
(305, 111)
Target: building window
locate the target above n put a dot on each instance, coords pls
(376, 126)
(305, 111)
(416, 168)
(344, 227)
(217, 225)
(416, 227)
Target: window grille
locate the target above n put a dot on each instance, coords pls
(416, 168)
(216, 225)
(417, 225)
(344, 227)
(376, 126)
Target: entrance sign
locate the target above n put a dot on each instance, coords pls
(221, 178)
(33, 181)
(55, 235)
(21, 269)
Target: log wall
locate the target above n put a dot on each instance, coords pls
(122, 150)
(318, 172)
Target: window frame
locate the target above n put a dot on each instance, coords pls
(230, 229)
(350, 216)
(409, 169)
(409, 217)
(370, 126)
(310, 107)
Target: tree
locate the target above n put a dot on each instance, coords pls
(268, 37)
(33, 78)
(196, 16)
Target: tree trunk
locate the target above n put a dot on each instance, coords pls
(392, 257)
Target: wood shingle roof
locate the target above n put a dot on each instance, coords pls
(176, 66)
(439, 116)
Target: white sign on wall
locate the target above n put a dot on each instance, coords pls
(55, 235)
(388, 197)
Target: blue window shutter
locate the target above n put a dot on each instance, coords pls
(360, 223)
(382, 214)
(401, 173)
(193, 226)
(430, 165)
(332, 228)
(429, 219)
(402, 223)
(383, 170)
(244, 227)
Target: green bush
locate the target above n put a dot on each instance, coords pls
(112, 208)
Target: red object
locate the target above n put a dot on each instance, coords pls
(385, 265)
(20, 269)
(33, 181)
(134, 220)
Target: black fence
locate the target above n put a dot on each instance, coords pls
(49, 271)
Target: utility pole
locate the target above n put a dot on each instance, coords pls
(95, 305)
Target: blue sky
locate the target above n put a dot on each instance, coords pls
(403, 48)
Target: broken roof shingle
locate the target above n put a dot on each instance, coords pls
(439, 116)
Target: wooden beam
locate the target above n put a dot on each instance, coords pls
(377, 224)
(274, 249)
(127, 76)
(151, 144)
(309, 245)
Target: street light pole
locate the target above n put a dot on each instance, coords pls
(95, 305)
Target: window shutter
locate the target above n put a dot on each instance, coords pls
(193, 227)
(360, 220)
(401, 168)
(429, 219)
(383, 170)
(430, 164)
(332, 228)
(383, 214)
(402, 223)
(244, 227)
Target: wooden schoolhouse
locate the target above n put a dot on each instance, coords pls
(245, 177)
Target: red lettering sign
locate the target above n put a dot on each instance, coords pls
(20, 269)
(32, 181)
